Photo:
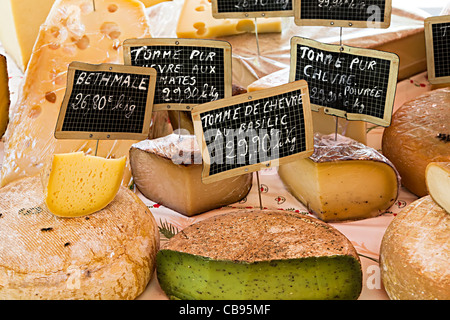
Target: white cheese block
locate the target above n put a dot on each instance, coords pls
(73, 31)
(415, 252)
(168, 171)
(107, 255)
(437, 177)
(19, 26)
(77, 184)
(342, 180)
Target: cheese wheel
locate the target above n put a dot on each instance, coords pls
(415, 138)
(415, 252)
(107, 255)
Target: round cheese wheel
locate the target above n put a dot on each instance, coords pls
(417, 136)
(415, 252)
(109, 254)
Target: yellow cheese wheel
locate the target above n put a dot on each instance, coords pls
(107, 255)
(416, 137)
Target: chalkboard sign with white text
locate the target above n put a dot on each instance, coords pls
(252, 8)
(343, 13)
(348, 82)
(189, 71)
(255, 130)
(106, 101)
(437, 39)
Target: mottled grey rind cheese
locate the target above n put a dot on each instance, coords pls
(259, 255)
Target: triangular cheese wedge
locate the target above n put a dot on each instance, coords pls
(75, 30)
(77, 184)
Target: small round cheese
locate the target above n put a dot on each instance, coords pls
(107, 255)
(417, 136)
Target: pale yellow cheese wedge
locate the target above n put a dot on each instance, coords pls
(150, 3)
(437, 177)
(322, 123)
(73, 31)
(4, 95)
(77, 184)
(19, 26)
(342, 180)
(196, 21)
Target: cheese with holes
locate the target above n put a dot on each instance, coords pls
(415, 252)
(4, 95)
(437, 177)
(254, 255)
(196, 21)
(73, 31)
(19, 26)
(342, 180)
(168, 171)
(419, 134)
(77, 185)
(322, 123)
(108, 255)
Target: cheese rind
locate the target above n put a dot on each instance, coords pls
(168, 171)
(437, 176)
(415, 252)
(255, 254)
(196, 21)
(79, 185)
(29, 140)
(4, 95)
(342, 180)
(19, 26)
(109, 255)
(412, 140)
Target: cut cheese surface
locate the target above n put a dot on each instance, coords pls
(322, 122)
(256, 254)
(168, 171)
(196, 21)
(415, 252)
(4, 95)
(342, 180)
(19, 26)
(78, 185)
(437, 176)
(73, 31)
(149, 3)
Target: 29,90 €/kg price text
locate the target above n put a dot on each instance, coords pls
(226, 309)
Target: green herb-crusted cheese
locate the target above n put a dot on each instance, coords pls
(259, 255)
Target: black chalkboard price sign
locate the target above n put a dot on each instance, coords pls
(106, 102)
(348, 82)
(189, 71)
(251, 8)
(252, 131)
(343, 13)
(437, 39)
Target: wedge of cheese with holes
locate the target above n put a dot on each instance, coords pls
(342, 180)
(4, 95)
(77, 185)
(322, 122)
(19, 26)
(168, 171)
(73, 31)
(196, 21)
(437, 176)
